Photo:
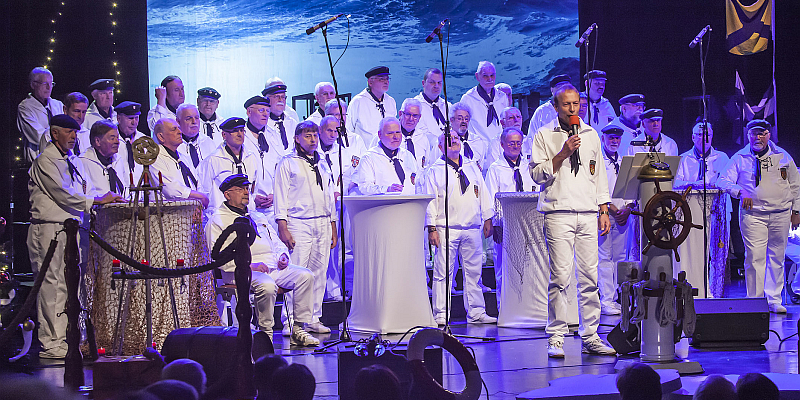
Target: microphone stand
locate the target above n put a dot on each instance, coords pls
(705, 171)
(344, 334)
(448, 141)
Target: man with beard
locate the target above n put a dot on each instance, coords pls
(373, 104)
(290, 112)
(102, 107)
(304, 212)
(600, 112)
(36, 110)
(323, 93)
(631, 108)
(280, 124)
(651, 122)
(764, 178)
(255, 139)
(168, 97)
(434, 109)
(387, 167)
(207, 104)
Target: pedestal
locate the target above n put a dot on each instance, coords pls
(389, 285)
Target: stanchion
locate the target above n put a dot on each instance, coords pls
(73, 363)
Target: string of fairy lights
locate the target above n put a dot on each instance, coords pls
(51, 45)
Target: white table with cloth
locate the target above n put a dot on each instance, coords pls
(389, 284)
(691, 251)
(526, 265)
(194, 294)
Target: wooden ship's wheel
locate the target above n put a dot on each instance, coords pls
(661, 222)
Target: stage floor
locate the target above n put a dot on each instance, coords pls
(516, 361)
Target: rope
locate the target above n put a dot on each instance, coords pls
(625, 301)
(640, 302)
(243, 230)
(27, 307)
(689, 316)
(666, 313)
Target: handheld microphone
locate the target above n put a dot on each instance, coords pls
(699, 37)
(639, 142)
(436, 31)
(574, 124)
(585, 35)
(322, 24)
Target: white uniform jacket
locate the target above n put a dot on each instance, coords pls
(545, 116)
(155, 114)
(316, 116)
(779, 187)
(601, 114)
(479, 110)
(212, 125)
(689, 168)
(122, 154)
(262, 250)
(204, 145)
(93, 115)
(364, 117)
(428, 123)
(97, 173)
(612, 174)
(220, 165)
(351, 158)
(500, 178)
(57, 194)
(33, 122)
(274, 134)
(297, 194)
(375, 172)
(267, 161)
(467, 210)
(562, 190)
(175, 186)
(628, 133)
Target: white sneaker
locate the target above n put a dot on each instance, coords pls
(597, 346)
(317, 327)
(302, 338)
(777, 308)
(483, 319)
(612, 309)
(440, 321)
(287, 330)
(555, 347)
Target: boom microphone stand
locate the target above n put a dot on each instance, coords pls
(448, 141)
(344, 334)
(706, 261)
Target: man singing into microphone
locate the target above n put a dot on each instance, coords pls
(567, 162)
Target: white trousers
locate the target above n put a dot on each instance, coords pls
(312, 250)
(265, 289)
(52, 298)
(612, 248)
(765, 235)
(333, 285)
(498, 267)
(572, 244)
(468, 245)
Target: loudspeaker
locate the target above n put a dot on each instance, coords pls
(625, 343)
(731, 322)
(350, 364)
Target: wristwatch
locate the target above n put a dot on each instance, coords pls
(599, 213)
(431, 229)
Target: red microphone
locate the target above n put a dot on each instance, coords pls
(574, 123)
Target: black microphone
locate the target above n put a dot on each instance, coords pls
(322, 24)
(585, 35)
(436, 31)
(699, 37)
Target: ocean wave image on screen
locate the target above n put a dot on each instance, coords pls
(235, 46)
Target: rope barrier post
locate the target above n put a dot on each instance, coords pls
(244, 340)
(73, 363)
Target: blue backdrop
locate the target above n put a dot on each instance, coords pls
(236, 45)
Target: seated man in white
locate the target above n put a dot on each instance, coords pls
(386, 167)
(691, 169)
(168, 97)
(178, 177)
(651, 122)
(101, 162)
(230, 158)
(270, 270)
(323, 92)
(509, 173)
(471, 211)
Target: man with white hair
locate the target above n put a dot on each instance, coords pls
(323, 93)
(510, 117)
(280, 124)
(651, 124)
(255, 140)
(197, 146)
(36, 110)
(102, 107)
(473, 146)
(169, 95)
(631, 108)
(434, 108)
(287, 109)
(414, 140)
(485, 103)
(387, 167)
(170, 167)
(691, 169)
(546, 115)
(371, 105)
(207, 104)
(470, 212)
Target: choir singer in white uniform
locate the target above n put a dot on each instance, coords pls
(387, 167)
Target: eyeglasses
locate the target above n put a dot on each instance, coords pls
(278, 96)
(412, 116)
(760, 133)
(48, 84)
(381, 78)
(461, 119)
